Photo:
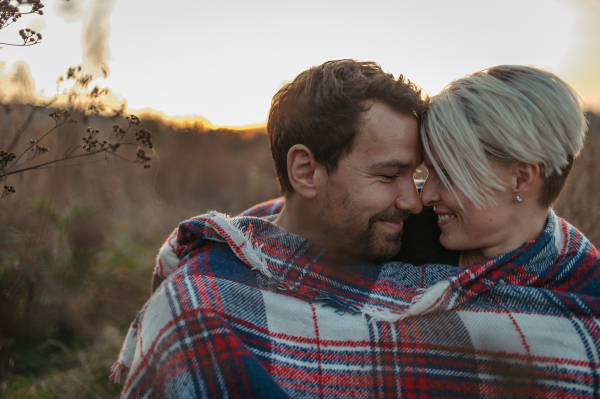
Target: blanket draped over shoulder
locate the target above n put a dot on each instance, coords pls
(247, 309)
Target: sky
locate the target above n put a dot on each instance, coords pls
(223, 60)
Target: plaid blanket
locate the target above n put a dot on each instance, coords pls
(250, 310)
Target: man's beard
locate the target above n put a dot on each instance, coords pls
(363, 243)
(379, 246)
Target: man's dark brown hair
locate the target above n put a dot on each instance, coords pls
(321, 108)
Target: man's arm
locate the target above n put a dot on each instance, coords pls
(168, 257)
(166, 261)
(186, 349)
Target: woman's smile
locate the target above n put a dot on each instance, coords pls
(444, 218)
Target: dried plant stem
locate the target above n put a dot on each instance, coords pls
(22, 129)
(17, 45)
(87, 154)
(92, 146)
(30, 147)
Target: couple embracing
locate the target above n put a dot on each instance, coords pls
(355, 284)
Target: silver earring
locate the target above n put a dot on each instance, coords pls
(519, 200)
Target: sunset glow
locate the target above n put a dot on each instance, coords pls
(224, 60)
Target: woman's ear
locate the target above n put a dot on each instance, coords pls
(302, 168)
(525, 178)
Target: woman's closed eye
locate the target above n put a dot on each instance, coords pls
(448, 177)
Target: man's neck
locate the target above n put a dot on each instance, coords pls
(284, 220)
(298, 218)
(288, 219)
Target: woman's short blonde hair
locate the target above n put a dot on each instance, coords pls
(508, 112)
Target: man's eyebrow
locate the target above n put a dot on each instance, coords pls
(391, 164)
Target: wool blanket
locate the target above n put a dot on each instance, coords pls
(250, 310)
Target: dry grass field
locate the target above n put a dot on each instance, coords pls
(579, 203)
(77, 245)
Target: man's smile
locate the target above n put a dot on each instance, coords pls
(394, 225)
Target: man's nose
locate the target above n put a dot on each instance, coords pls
(409, 199)
(429, 196)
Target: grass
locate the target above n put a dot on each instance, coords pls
(71, 373)
(78, 245)
(67, 301)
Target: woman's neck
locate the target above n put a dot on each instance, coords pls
(470, 257)
(526, 228)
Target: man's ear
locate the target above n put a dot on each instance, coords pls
(301, 166)
(525, 177)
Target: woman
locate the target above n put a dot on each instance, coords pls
(499, 146)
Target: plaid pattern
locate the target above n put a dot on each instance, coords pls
(250, 310)
(167, 257)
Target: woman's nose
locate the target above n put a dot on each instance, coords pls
(429, 194)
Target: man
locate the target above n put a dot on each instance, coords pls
(344, 139)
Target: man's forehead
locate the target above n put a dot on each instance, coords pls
(381, 122)
(384, 130)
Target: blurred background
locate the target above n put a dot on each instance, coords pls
(78, 242)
